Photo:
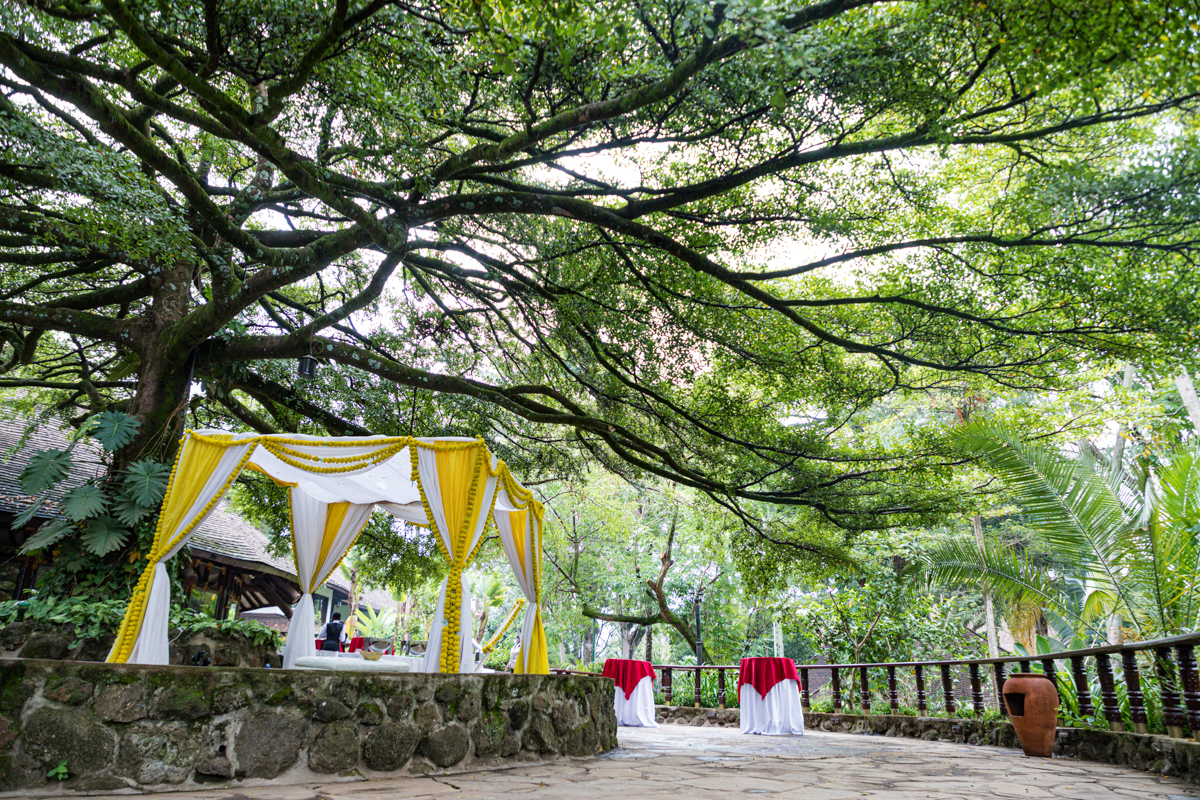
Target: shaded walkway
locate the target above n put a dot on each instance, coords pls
(676, 761)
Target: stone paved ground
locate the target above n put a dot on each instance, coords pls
(677, 761)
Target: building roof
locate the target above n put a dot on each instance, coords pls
(19, 440)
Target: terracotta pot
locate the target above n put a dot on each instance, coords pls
(1032, 702)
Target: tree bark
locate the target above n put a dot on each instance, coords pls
(1187, 392)
(989, 614)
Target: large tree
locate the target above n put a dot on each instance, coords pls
(688, 238)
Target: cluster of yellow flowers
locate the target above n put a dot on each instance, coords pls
(491, 643)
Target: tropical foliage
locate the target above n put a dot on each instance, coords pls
(1129, 546)
(690, 240)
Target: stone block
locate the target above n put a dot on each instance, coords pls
(400, 705)
(447, 746)
(391, 745)
(69, 691)
(329, 709)
(368, 713)
(54, 734)
(488, 734)
(426, 716)
(540, 736)
(469, 707)
(518, 714)
(46, 645)
(158, 753)
(181, 701)
(14, 635)
(268, 743)
(122, 702)
(227, 699)
(564, 717)
(335, 749)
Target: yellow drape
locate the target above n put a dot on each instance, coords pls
(517, 521)
(461, 474)
(334, 517)
(193, 468)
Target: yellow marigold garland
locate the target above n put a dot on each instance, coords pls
(491, 643)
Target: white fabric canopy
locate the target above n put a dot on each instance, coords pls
(520, 546)
(322, 532)
(777, 714)
(335, 483)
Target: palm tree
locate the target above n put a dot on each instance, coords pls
(1130, 545)
(491, 591)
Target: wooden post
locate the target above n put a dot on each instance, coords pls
(837, 689)
(865, 689)
(1025, 667)
(1133, 690)
(720, 688)
(976, 688)
(1168, 685)
(666, 684)
(921, 703)
(1189, 679)
(804, 697)
(999, 668)
(1082, 691)
(1050, 670)
(696, 696)
(1108, 693)
(893, 695)
(948, 689)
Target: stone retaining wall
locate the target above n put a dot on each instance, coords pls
(1163, 755)
(56, 642)
(119, 726)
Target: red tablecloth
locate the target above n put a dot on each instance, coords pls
(627, 673)
(764, 673)
(356, 644)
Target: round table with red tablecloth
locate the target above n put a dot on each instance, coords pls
(633, 699)
(356, 644)
(769, 697)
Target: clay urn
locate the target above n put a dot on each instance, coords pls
(1032, 702)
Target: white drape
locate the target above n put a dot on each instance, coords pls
(318, 550)
(523, 572)
(638, 710)
(151, 646)
(777, 714)
(427, 471)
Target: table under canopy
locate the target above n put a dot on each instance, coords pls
(451, 485)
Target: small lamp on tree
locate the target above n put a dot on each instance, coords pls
(306, 367)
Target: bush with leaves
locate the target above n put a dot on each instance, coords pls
(100, 529)
(100, 619)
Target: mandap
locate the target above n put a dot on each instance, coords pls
(452, 486)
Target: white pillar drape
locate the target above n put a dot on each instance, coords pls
(321, 535)
(150, 645)
(521, 554)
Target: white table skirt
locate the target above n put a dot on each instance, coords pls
(638, 710)
(351, 664)
(778, 714)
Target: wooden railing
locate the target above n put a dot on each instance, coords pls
(1178, 681)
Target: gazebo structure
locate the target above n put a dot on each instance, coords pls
(452, 486)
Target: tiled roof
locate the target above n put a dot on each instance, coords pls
(16, 448)
(223, 533)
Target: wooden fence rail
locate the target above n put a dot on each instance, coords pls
(1173, 660)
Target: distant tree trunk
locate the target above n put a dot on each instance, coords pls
(989, 614)
(1187, 392)
(650, 643)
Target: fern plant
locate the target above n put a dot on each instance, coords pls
(98, 519)
(1131, 550)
